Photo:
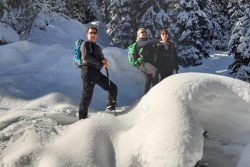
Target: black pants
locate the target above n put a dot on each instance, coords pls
(90, 77)
(165, 71)
(150, 75)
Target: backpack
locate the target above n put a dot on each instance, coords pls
(77, 62)
(133, 57)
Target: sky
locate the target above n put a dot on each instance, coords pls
(40, 91)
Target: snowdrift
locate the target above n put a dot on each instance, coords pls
(164, 128)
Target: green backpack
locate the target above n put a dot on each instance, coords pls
(133, 57)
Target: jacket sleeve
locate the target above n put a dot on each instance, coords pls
(176, 58)
(86, 51)
(142, 43)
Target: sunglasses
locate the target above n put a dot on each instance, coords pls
(92, 33)
(163, 33)
(143, 32)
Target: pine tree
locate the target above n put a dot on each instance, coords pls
(239, 47)
(192, 32)
(122, 26)
(154, 16)
(4, 21)
(19, 15)
(218, 16)
(57, 6)
(104, 4)
(128, 16)
(236, 10)
(81, 10)
(94, 9)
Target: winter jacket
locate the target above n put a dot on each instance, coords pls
(91, 55)
(148, 50)
(167, 57)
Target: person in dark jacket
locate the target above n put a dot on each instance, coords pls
(167, 58)
(93, 61)
(147, 66)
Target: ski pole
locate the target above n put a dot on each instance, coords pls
(108, 76)
(109, 86)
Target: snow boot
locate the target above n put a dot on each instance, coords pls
(111, 105)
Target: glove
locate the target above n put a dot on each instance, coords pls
(156, 45)
(159, 43)
(139, 60)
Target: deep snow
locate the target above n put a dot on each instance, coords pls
(40, 91)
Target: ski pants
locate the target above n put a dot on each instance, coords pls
(90, 77)
(150, 75)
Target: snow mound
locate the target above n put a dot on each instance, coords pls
(164, 128)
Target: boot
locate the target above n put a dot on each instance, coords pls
(111, 105)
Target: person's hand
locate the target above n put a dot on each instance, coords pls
(105, 65)
(159, 43)
(162, 42)
(104, 61)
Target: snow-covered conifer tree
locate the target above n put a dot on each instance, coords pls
(236, 10)
(154, 16)
(81, 10)
(94, 9)
(58, 6)
(192, 33)
(6, 38)
(104, 4)
(122, 26)
(218, 16)
(19, 14)
(239, 47)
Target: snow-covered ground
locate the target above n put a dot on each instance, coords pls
(40, 91)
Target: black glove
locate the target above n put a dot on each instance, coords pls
(159, 42)
(156, 45)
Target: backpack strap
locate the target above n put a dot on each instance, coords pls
(172, 47)
(158, 44)
(89, 46)
(140, 50)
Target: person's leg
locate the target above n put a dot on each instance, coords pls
(154, 81)
(112, 89)
(148, 68)
(166, 71)
(162, 72)
(147, 83)
(88, 81)
(151, 75)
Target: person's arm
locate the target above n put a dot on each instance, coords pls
(142, 43)
(86, 55)
(176, 58)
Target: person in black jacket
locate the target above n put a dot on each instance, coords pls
(147, 66)
(93, 61)
(167, 58)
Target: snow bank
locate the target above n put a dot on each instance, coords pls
(153, 131)
(218, 103)
(164, 128)
(14, 54)
(7, 34)
(245, 157)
